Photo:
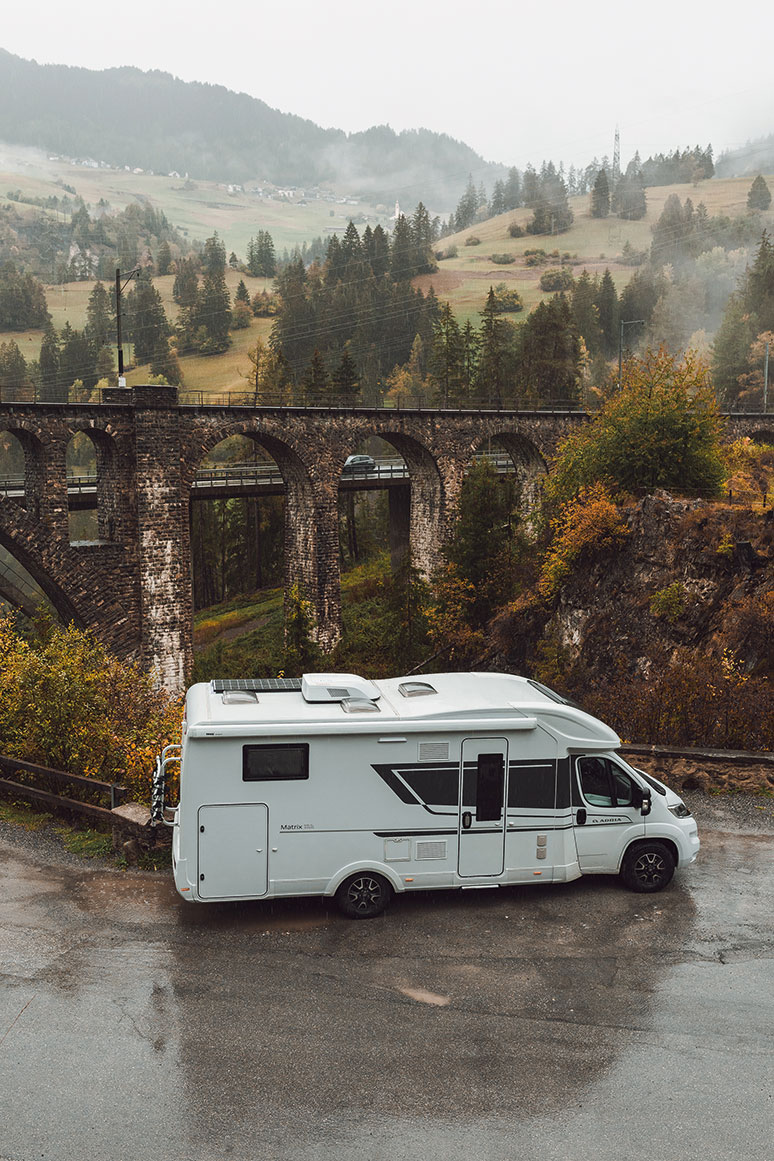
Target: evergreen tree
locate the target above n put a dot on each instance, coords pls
(550, 355)
(147, 321)
(164, 362)
(402, 258)
(316, 383)
(242, 293)
(48, 364)
(465, 214)
(77, 359)
(512, 191)
(759, 197)
(586, 314)
(345, 381)
(214, 256)
(14, 374)
(497, 204)
(482, 549)
(164, 260)
(186, 284)
(494, 373)
(446, 358)
(607, 308)
(380, 252)
(100, 317)
(600, 196)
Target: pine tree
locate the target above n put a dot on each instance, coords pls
(316, 383)
(48, 364)
(164, 260)
(550, 356)
(446, 357)
(14, 374)
(402, 258)
(465, 214)
(607, 309)
(100, 316)
(600, 196)
(345, 381)
(759, 197)
(494, 374)
(585, 313)
(147, 322)
(512, 191)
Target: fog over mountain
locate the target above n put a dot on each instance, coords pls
(153, 121)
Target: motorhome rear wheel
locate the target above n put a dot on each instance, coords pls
(363, 896)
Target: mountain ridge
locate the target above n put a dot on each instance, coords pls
(153, 120)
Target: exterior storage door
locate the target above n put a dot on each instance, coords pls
(481, 827)
(233, 851)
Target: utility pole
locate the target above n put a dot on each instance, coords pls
(766, 381)
(119, 289)
(627, 323)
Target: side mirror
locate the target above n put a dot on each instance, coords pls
(647, 802)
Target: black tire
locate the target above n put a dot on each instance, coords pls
(364, 895)
(648, 867)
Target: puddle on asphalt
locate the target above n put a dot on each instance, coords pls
(422, 996)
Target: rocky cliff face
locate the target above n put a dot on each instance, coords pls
(671, 636)
(691, 575)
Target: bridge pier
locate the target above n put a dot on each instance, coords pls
(161, 533)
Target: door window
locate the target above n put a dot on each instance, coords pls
(604, 783)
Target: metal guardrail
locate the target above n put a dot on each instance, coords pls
(250, 475)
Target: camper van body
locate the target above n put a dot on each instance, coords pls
(337, 786)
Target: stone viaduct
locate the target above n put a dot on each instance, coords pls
(132, 586)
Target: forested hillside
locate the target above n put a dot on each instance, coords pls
(156, 122)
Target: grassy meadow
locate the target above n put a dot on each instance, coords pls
(200, 208)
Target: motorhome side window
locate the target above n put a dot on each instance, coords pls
(604, 783)
(278, 763)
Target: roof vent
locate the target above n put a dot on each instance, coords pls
(359, 705)
(331, 687)
(416, 688)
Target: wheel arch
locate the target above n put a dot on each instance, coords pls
(373, 867)
(669, 843)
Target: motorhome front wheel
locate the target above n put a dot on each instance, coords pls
(363, 896)
(647, 867)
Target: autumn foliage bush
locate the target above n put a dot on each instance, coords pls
(694, 699)
(68, 704)
(585, 526)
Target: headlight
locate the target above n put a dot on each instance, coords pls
(680, 811)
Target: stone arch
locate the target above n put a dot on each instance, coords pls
(528, 461)
(110, 522)
(311, 525)
(34, 467)
(421, 509)
(80, 591)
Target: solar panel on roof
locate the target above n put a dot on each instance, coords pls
(256, 684)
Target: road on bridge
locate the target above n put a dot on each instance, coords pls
(573, 1022)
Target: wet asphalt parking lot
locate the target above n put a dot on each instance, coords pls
(574, 1022)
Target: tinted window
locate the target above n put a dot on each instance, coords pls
(278, 763)
(532, 787)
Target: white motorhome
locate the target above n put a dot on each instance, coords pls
(338, 786)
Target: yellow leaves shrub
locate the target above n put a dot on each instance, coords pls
(67, 703)
(588, 524)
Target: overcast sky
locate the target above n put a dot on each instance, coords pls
(517, 82)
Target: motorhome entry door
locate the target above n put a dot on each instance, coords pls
(233, 851)
(481, 848)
